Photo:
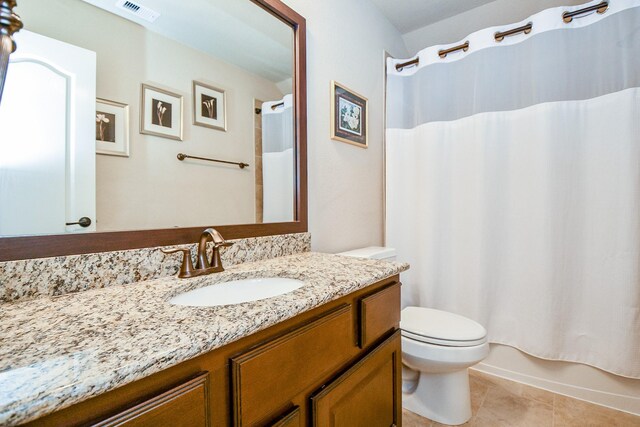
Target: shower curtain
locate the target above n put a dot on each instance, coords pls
(277, 160)
(513, 184)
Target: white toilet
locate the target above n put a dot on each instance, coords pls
(437, 349)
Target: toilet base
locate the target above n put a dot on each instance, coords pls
(444, 397)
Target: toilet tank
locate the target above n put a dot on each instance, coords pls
(373, 252)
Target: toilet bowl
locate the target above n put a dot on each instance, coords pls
(437, 349)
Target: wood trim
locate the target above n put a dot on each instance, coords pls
(16, 248)
(133, 414)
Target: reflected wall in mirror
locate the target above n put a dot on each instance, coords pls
(74, 51)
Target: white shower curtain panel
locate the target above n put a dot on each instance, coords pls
(513, 185)
(278, 160)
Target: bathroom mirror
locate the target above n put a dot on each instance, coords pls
(211, 80)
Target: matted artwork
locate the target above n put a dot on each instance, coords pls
(112, 128)
(209, 106)
(349, 116)
(161, 113)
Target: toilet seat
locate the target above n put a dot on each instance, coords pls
(441, 328)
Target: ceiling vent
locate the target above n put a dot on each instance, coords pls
(138, 10)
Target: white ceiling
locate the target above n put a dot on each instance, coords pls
(237, 32)
(409, 15)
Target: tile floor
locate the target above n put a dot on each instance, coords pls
(496, 402)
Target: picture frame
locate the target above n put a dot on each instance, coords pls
(349, 116)
(161, 113)
(209, 106)
(112, 128)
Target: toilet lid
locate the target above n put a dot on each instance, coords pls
(441, 327)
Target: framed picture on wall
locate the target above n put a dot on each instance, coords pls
(349, 116)
(112, 128)
(209, 106)
(161, 113)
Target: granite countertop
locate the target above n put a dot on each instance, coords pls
(57, 351)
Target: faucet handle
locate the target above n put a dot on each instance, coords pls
(186, 269)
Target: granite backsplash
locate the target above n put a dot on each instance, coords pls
(64, 274)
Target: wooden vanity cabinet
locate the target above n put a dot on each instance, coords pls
(336, 365)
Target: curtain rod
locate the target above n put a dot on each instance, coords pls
(442, 53)
(415, 61)
(567, 17)
(499, 36)
(600, 8)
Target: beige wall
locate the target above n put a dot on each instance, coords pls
(457, 27)
(345, 41)
(151, 188)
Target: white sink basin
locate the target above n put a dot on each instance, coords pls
(236, 292)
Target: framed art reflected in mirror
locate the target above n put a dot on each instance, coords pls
(209, 106)
(161, 113)
(112, 128)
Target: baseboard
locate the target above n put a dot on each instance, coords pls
(618, 402)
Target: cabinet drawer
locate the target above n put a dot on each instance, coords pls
(367, 395)
(185, 405)
(379, 313)
(265, 379)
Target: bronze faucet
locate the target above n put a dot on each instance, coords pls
(203, 265)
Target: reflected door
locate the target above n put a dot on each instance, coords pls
(47, 138)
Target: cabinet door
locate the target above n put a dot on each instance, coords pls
(264, 380)
(186, 405)
(367, 395)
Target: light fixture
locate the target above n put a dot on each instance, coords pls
(10, 23)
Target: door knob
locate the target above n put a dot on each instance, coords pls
(82, 222)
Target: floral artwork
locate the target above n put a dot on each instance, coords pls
(161, 113)
(105, 127)
(209, 106)
(349, 116)
(112, 128)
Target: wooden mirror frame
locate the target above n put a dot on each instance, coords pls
(15, 248)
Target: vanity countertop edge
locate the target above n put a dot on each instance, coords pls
(57, 351)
